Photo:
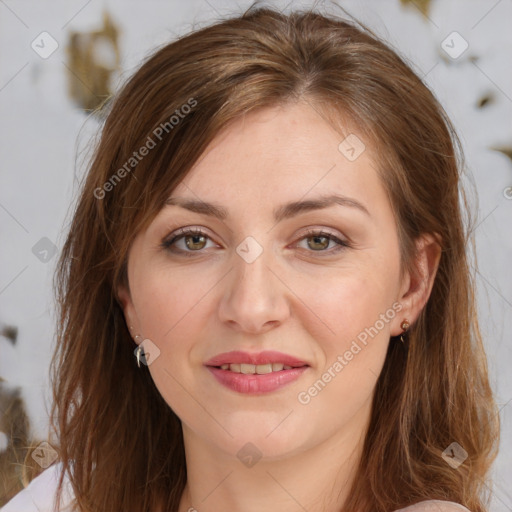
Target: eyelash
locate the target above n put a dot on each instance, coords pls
(184, 232)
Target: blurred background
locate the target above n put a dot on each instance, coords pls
(60, 59)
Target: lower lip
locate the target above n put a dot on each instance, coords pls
(256, 384)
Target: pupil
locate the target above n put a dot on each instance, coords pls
(316, 238)
(194, 240)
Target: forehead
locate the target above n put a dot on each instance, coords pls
(283, 153)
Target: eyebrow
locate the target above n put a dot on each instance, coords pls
(284, 211)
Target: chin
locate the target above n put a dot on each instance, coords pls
(267, 437)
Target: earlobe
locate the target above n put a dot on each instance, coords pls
(418, 284)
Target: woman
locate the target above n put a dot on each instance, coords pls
(266, 301)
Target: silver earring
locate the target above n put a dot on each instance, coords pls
(138, 354)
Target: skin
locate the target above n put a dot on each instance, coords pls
(298, 297)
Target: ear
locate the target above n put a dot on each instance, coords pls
(416, 286)
(130, 316)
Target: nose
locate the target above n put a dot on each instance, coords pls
(254, 298)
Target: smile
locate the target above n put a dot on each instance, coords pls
(260, 369)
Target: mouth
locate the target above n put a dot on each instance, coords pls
(256, 373)
(257, 369)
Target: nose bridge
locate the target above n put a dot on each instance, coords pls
(252, 276)
(254, 299)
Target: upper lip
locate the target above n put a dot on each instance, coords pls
(265, 357)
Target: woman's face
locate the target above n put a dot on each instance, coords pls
(318, 284)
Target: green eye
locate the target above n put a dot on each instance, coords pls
(321, 240)
(195, 240)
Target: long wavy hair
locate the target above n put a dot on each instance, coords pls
(120, 442)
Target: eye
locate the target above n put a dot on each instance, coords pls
(194, 241)
(319, 241)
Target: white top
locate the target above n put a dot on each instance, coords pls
(39, 496)
(40, 493)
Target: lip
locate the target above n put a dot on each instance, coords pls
(256, 384)
(265, 357)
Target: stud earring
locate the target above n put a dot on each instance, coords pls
(404, 325)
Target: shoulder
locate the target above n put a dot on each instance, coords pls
(435, 506)
(40, 494)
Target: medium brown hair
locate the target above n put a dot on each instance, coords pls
(119, 440)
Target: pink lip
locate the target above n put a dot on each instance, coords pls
(256, 384)
(265, 357)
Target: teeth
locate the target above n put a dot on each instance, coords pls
(259, 369)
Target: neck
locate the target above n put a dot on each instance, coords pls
(316, 478)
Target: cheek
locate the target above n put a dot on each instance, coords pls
(353, 348)
(175, 310)
(351, 326)
(171, 309)
(346, 307)
(167, 303)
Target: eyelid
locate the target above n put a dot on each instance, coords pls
(319, 231)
